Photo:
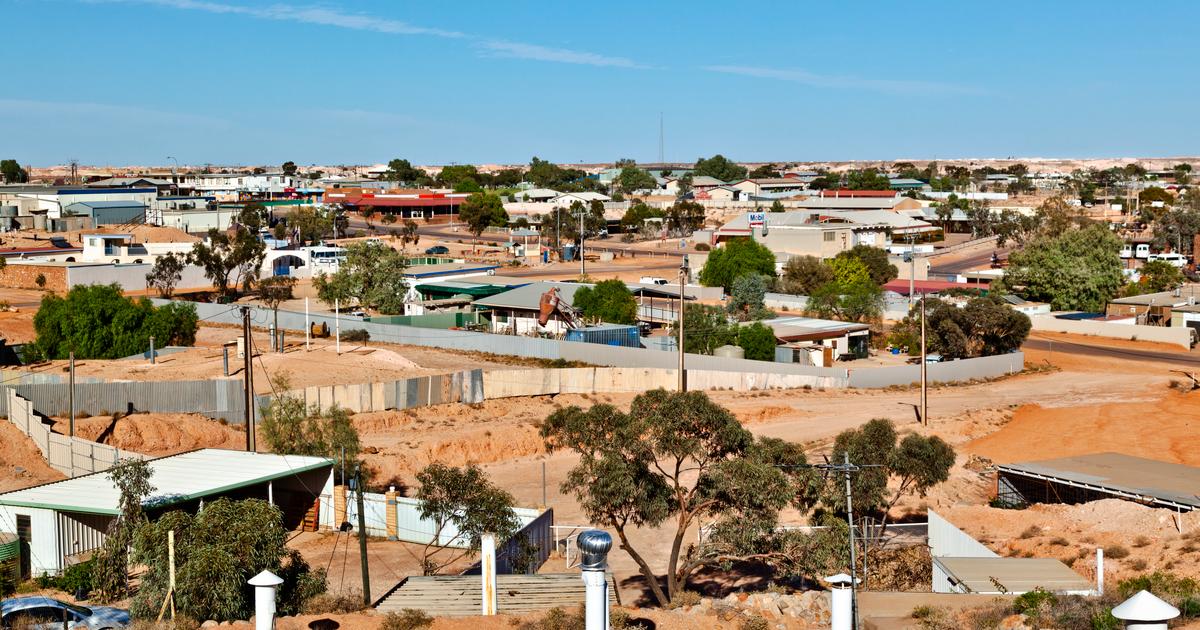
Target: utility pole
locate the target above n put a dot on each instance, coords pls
(582, 236)
(71, 394)
(362, 537)
(248, 378)
(924, 366)
(683, 273)
(846, 470)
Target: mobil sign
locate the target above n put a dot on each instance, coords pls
(757, 219)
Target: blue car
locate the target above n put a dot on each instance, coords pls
(438, 249)
(45, 613)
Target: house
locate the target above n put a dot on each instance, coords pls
(819, 342)
(1165, 308)
(718, 193)
(822, 234)
(536, 194)
(405, 203)
(51, 201)
(121, 248)
(516, 311)
(62, 522)
(906, 183)
(893, 203)
(566, 199)
(774, 185)
(700, 183)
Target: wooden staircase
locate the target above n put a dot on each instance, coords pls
(461, 596)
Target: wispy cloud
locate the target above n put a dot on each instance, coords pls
(845, 82)
(363, 22)
(305, 15)
(519, 50)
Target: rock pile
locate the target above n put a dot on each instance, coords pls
(779, 609)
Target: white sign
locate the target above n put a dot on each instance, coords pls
(757, 219)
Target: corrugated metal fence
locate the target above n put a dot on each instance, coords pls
(69, 455)
(217, 398)
(420, 391)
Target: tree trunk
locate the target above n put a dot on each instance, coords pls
(647, 573)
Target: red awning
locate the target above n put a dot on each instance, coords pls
(384, 202)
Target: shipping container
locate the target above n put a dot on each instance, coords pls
(607, 334)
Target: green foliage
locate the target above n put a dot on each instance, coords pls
(857, 302)
(802, 275)
(465, 500)
(739, 256)
(166, 273)
(216, 551)
(110, 572)
(706, 327)
(637, 214)
(481, 211)
(232, 256)
(764, 171)
(1177, 226)
(747, 295)
(372, 277)
(1155, 193)
(455, 175)
(407, 619)
(12, 172)
(98, 322)
(608, 301)
(913, 464)
(1156, 275)
(310, 224)
(1033, 602)
(276, 290)
(357, 335)
(1077, 269)
(685, 217)
(633, 178)
(777, 206)
(849, 271)
(758, 340)
(985, 327)
(77, 578)
(720, 167)
(402, 171)
(546, 174)
(880, 270)
(680, 457)
(867, 179)
(288, 168)
(288, 427)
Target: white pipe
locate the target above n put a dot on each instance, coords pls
(595, 600)
(337, 323)
(1099, 571)
(264, 584)
(840, 607)
(487, 548)
(307, 327)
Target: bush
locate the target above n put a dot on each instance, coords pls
(703, 247)
(1116, 552)
(1034, 602)
(756, 623)
(407, 619)
(328, 603)
(76, 579)
(357, 335)
(99, 322)
(556, 619)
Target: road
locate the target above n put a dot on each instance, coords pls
(1088, 350)
(967, 262)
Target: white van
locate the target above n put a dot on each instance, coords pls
(1175, 259)
(1127, 251)
(653, 280)
(1142, 250)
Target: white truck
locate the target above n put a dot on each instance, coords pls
(653, 280)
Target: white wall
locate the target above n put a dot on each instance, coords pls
(44, 556)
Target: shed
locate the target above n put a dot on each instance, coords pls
(108, 212)
(1013, 576)
(61, 521)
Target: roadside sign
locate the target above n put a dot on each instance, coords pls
(757, 219)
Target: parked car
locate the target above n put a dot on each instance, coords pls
(1171, 258)
(653, 280)
(438, 249)
(44, 613)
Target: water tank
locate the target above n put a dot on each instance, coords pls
(730, 352)
(39, 222)
(8, 211)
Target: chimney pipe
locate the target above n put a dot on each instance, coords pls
(264, 584)
(487, 565)
(841, 602)
(593, 547)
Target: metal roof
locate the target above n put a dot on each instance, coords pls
(1121, 475)
(1016, 575)
(176, 478)
(446, 269)
(529, 297)
(108, 204)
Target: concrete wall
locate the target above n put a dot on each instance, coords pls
(422, 391)
(944, 372)
(132, 276)
(68, 455)
(946, 540)
(1180, 336)
(513, 383)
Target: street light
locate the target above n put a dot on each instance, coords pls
(684, 271)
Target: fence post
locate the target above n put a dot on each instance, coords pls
(393, 524)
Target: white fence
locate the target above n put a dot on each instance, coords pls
(1176, 335)
(71, 456)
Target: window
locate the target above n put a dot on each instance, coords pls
(829, 237)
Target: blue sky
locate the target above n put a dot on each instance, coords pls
(226, 81)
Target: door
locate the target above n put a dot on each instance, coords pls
(25, 533)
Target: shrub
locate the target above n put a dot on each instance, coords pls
(407, 619)
(1059, 541)
(1116, 552)
(703, 247)
(1141, 541)
(756, 623)
(356, 334)
(99, 322)
(556, 619)
(1030, 532)
(328, 603)
(1034, 602)
(1138, 564)
(686, 598)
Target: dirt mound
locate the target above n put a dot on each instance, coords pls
(21, 463)
(156, 434)
(153, 234)
(1164, 429)
(17, 327)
